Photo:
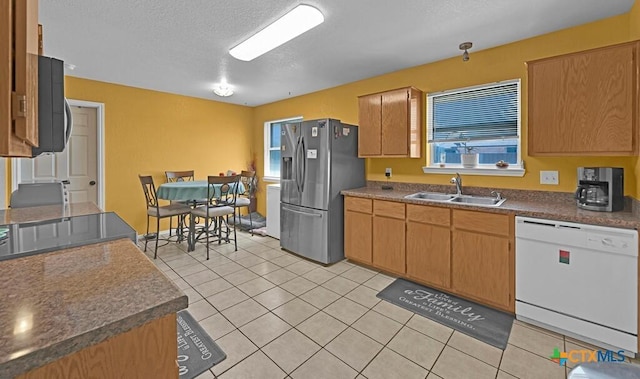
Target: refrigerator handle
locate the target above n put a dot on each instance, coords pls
(304, 164)
(301, 213)
(296, 163)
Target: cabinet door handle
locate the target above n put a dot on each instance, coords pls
(19, 105)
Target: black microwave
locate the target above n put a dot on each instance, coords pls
(54, 114)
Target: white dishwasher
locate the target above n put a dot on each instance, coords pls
(580, 280)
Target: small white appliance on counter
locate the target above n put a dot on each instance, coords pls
(39, 194)
(579, 280)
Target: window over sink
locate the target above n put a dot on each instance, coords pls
(475, 130)
(272, 133)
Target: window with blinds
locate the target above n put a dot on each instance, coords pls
(482, 119)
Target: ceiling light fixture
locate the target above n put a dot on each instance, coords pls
(223, 90)
(299, 20)
(465, 46)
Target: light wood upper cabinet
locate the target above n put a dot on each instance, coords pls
(585, 103)
(18, 77)
(389, 124)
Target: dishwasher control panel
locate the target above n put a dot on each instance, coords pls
(594, 237)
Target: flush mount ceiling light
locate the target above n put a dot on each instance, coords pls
(299, 20)
(223, 90)
(465, 46)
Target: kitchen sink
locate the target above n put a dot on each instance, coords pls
(487, 201)
(431, 196)
(478, 200)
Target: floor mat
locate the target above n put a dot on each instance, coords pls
(196, 350)
(480, 322)
(257, 221)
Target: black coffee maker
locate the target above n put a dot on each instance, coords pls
(600, 188)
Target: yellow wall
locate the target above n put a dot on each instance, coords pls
(500, 63)
(148, 132)
(634, 21)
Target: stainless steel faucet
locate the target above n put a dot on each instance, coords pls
(457, 180)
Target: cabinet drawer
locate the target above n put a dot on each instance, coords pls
(492, 223)
(429, 215)
(357, 204)
(388, 209)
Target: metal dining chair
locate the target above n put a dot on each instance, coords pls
(248, 179)
(160, 212)
(181, 176)
(221, 204)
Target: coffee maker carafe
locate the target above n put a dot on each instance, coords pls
(600, 188)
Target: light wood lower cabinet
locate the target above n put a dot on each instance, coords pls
(482, 261)
(429, 244)
(358, 227)
(389, 236)
(374, 233)
(148, 351)
(467, 253)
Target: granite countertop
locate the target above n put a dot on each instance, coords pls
(58, 303)
(541, 204)
(48, 212)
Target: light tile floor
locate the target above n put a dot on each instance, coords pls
(277, 315)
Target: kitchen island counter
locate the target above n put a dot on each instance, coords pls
(64, 303)
(47, 212)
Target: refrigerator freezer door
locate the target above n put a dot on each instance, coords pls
(304, 231)
(289, 186)
(314, 155)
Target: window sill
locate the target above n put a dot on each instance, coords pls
(275, 179)
(487, 170)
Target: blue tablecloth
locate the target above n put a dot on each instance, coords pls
(189, 190)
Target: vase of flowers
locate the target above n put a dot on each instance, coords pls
(468, 157)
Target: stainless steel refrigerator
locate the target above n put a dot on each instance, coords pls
(319, 158)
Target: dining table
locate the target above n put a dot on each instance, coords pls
(191, 192)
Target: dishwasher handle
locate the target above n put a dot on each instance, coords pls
(549, 224)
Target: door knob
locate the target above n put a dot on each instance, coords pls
(92, 183)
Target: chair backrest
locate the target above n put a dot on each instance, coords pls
(149, 191)
(179, 176)
(222, 190)
(249, 180)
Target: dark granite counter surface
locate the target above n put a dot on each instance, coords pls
(57, 303)
(47, 212)
(541, 204)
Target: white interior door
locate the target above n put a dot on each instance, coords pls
(77, 163)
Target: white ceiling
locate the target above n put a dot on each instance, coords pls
(181, 46)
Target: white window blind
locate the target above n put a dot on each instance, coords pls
(487, 112)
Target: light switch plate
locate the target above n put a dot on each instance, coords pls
(549, 177)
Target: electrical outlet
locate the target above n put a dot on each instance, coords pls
(548, 177)
(387, 172)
